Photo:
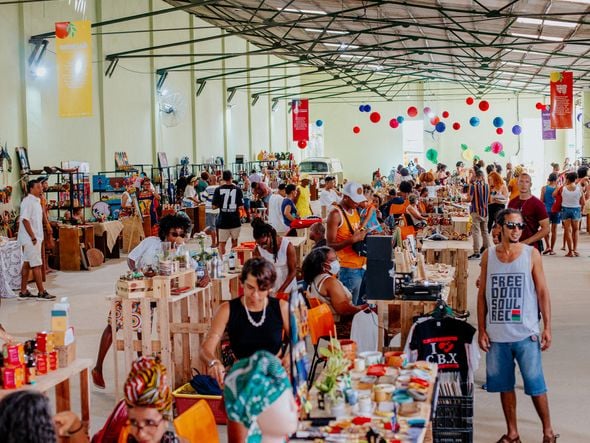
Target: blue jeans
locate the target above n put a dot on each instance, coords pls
(500, 366)
(352, 278)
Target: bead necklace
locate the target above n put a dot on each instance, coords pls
(251, 320)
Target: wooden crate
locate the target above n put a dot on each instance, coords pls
(134, 289)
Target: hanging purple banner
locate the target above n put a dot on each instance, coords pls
(548, 132)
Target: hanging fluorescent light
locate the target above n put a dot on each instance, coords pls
(302, 11)
(584, 2)
(327, 31)
(537, 37)
(538, 21)
(520, 51)
(349, 56)
(517, 74)
(341, 46)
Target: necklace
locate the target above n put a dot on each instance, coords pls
(251, 320)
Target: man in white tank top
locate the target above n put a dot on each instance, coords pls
(512, 292)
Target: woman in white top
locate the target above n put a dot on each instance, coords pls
(127, 201)
(572, 201)
(190, 194)
(279, 251)
(320, 269)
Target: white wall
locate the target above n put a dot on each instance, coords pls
(379, 146)
(125, 111)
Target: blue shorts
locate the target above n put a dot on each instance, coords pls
(500, 366)
(571, 213)
(554, 217)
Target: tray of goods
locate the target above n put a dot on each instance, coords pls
(134, 288)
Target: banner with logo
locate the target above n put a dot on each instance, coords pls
(73, 47)
(562, 99)
(548, 132)
(300, 111)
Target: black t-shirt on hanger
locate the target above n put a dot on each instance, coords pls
(444, 342)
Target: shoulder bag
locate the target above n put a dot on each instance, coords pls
(360, 247)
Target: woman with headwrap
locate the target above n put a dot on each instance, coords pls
(149, 403)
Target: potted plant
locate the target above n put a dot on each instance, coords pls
(335, 377)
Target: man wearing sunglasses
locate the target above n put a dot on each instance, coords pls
(512, 292)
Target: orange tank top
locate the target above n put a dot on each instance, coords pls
(346, 256)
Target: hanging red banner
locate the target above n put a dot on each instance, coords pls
(562, 99)
(300, 111)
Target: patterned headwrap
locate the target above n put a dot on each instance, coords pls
(146, 386)
(251, 386)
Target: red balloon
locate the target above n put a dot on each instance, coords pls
(393, 123)
(412, 111)
(356, 129)
(539, 105)
(484, 105)
(499, 131)
(375, 117)
(469, 100)
(434, 121)
(302, 144)
(456, 126)
(445, 114)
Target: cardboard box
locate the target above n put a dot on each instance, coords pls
(66, 355)
(13, 377)
(63, 338)
(13, 354)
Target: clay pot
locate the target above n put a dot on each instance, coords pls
(394, 359)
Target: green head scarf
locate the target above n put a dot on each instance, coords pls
(251, 386)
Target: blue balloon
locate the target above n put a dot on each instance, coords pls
(362, 108)
(498, 122)
(440, 127)
(400, 119)
(516, 129)
(319, 123)
(367, 108)
(474, 121)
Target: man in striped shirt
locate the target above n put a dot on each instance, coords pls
(479, 194)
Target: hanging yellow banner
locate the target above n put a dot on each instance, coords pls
(73, 48)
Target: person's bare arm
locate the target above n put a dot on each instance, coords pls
(543, 298)
(540, 234)
(482, 307)
(291, 266)
(209, 346)
(256, 252)
(557, 189)
(287, 213)
(341, 303)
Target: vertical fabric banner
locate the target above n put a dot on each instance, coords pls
(562, 99)
(73, 47)
(548, 132)
(300, 111)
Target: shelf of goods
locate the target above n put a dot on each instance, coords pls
(67, 191)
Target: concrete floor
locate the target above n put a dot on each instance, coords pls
(566, 363)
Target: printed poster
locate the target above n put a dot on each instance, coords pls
(300, 111)
(73, 49)
(548, 132)
(562, 99)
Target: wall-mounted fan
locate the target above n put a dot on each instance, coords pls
(172, 107)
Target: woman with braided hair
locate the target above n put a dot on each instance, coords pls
(149, 403)
(279, 251)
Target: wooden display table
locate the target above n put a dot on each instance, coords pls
(409, 308)
(106, 237)
(70, 239)
(454, 253)
(173, 326)
(461, 224)
(424, 411)
(298, 242)
(228, 287)
(60, 380)
(197, 216)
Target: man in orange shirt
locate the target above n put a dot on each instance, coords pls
(343, 229)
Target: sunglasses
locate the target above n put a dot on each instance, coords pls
(514, 225)
(176, 234)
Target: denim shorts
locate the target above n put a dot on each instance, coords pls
(500, 366)
(554, 218)
(571, 213)
(352, 279)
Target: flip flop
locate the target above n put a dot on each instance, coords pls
(506, 439)
(552, 253)
(569, 254)
(576, 253)
(546, 251)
